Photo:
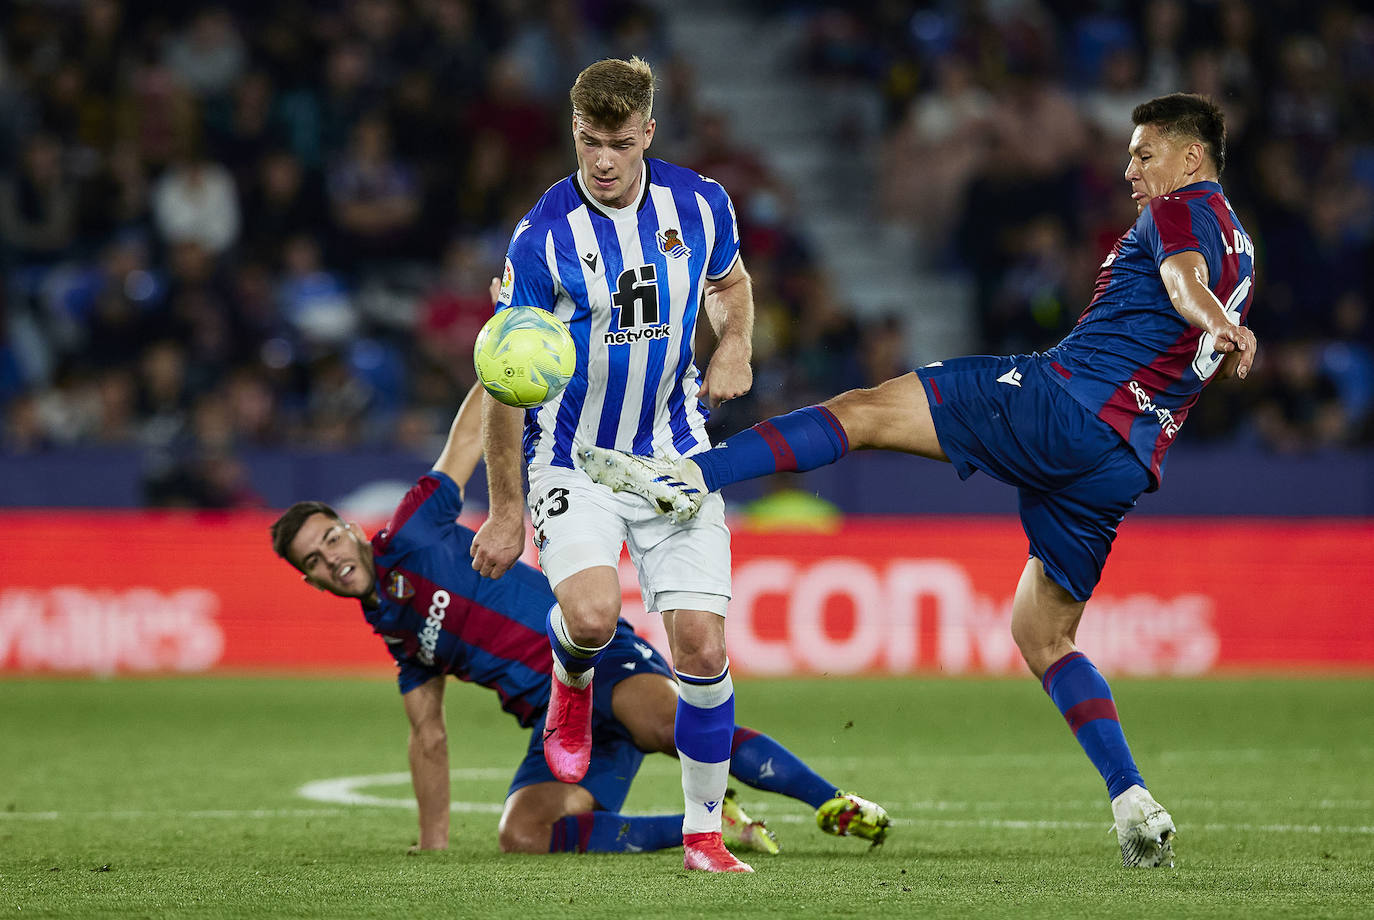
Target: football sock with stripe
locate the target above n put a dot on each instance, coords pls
(759, 761)
(796, 442)
(612, 832)
(1082, 695)
(705, 725)
(575, 661)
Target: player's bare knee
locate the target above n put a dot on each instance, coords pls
(590, 621)
(524, 835)
(431, 740)
(699, 652)
(854, 409)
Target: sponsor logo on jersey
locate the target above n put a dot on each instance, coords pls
(429, 636)
(629, 336)
(1162, 415)
(670, 242)
(399, 587)
(507, 283)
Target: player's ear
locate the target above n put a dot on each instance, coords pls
(649, 127)
(311, 583)
(1195, 156)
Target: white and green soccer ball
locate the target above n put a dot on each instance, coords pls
(524, 356)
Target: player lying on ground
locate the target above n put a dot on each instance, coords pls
(1080, 430)
(438, 617)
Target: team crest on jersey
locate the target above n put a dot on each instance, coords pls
(507, 284)
(399, 587)
(670, 242)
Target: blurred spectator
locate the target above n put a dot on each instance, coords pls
(38, 207)
(313, 300)
(1298, 406)
(283, 201)
(945, 131)
(1163, 39)
(513, 112)
(196, 201)
(374, 198)
(455, 310)
(116, 196)
(208, 56)
(1119, 90)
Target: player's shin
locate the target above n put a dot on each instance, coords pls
(703, 730)
(759, 761)
(1082, 695)
(611, 832)
(795, 442)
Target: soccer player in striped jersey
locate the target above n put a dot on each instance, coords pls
(438, 617)
(627, 251)
(1080, 430)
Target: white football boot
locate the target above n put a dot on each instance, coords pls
(675, 487)
(1144, 829)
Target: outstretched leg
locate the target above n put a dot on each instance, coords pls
(892, 416)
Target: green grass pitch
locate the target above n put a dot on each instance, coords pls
(181, 798)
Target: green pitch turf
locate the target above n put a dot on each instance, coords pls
(181, 798)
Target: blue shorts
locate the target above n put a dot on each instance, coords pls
(615, 759)
(1075, 476)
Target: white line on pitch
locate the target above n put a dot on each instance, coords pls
(495, 808)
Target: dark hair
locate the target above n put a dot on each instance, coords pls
(1187, 115)
(608, 92)
(285, 528)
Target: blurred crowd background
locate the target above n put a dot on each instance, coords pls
(242, 225)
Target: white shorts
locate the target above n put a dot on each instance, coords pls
(579, 523)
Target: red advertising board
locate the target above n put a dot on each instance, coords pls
(139, 592)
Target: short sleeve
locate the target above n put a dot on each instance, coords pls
(725, 247)
(1171, 225)
(526, 279)
(426, 515)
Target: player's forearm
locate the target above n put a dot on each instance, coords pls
(1185, 281)
(429, 776)
(464, 446)
(1200, 308)
(501, 426)
(731, 312)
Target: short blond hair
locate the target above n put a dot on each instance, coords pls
(608, 92)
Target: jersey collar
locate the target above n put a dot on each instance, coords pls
(1207, 185)
(614, 213)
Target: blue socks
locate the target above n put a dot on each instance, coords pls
(703, 732)
(576, 661)
(611, 832)
(795, 442)
(1084, 698)
(759, 761)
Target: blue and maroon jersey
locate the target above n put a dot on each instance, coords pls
(438, 616)
(1132, 359)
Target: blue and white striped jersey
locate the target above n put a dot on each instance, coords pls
(629, 283)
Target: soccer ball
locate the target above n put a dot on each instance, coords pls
(524, 356)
